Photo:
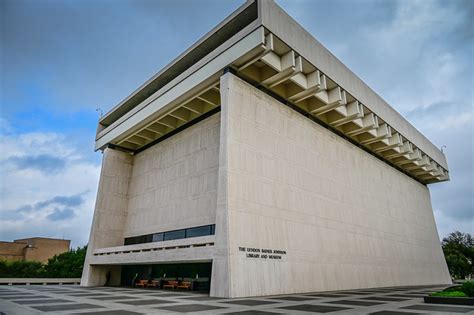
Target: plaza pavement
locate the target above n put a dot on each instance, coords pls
(55, 299)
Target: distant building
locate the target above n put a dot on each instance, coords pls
(35, 248)
(258, 163)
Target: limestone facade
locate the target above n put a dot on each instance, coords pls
(272, 181)
(308, 180)
(344, 218)
(174, 184)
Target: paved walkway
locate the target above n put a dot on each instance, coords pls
(37, 299)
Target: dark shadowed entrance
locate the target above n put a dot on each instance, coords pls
(198, 274)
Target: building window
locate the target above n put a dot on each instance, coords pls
(198, 231)
(158, 237)
(130, 241)
(146, 238)
(171, 235)
(175, 235)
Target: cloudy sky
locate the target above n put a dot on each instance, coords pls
(60, 60)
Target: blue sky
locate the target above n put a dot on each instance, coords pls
(60, 60)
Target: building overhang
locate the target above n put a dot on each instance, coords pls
(266, 47)
(197, 249)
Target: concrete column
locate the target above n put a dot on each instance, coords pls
(220, 280)
(110, 214)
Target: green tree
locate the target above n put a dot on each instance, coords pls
(66, 265)
(458, 250)
(21, 269)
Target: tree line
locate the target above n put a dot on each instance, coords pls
(65, 265)
(458, 250)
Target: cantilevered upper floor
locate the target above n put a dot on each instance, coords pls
(262, 44)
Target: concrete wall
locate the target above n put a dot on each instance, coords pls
(171, 185)
(174, 183)
(271, 179)
(109, 215)
(345, 219)
(180, 250)
(288, 30)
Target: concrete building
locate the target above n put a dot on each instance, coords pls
(34, 248)
(258, 163)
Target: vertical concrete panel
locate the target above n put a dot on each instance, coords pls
(169, 186)
(110, 213)
(345, 219)
(220, 279)
(174, 183)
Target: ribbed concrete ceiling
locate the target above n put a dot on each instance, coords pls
(286, 74)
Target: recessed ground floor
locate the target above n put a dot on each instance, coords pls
(176, 276)
(39, 299)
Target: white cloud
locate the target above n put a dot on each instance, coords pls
(413, 54)
(445, 224)
(457, 121)
(24, 187)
